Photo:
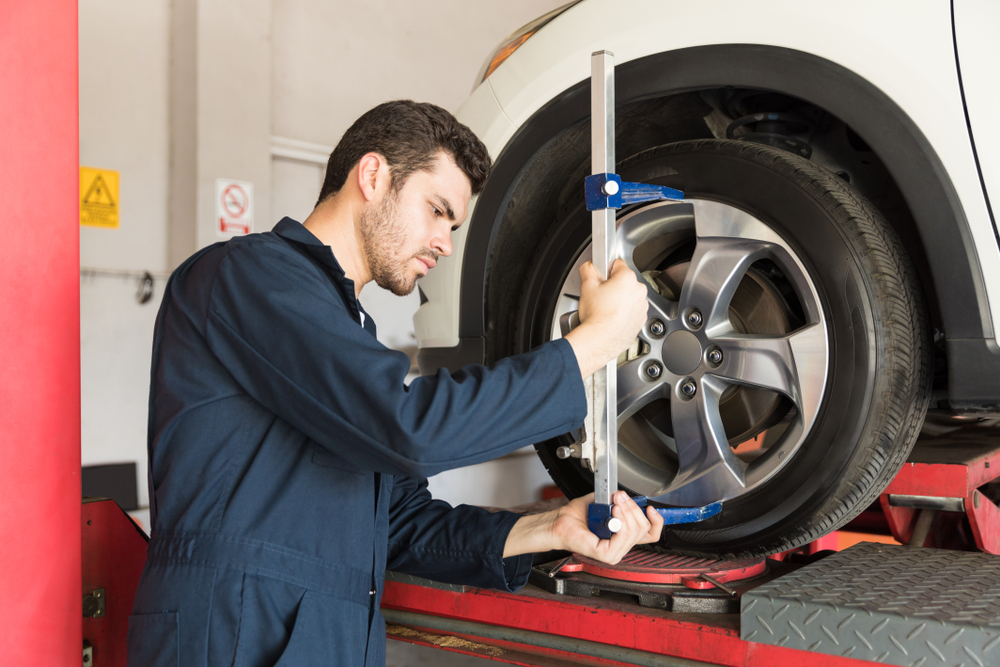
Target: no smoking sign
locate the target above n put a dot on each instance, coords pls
(233, 207)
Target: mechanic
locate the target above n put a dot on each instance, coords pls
(287, 457)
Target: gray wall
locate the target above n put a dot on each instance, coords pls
(174, 94)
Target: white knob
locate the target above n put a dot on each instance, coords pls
(614, 524)
(611, 188)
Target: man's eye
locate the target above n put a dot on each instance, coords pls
(454, 228)
(436, 211)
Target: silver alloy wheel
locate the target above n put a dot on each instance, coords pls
(691, 356)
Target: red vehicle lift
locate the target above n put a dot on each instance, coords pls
(945, 481)
(939, 498)
(114, 553)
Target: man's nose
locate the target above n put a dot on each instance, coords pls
(442, 244)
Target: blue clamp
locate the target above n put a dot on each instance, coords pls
(603, 191)
(675, 515)
(599, 517)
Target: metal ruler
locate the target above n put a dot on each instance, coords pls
(605, 193)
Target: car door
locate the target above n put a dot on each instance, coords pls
(977, 51)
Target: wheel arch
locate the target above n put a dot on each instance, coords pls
(500, 236)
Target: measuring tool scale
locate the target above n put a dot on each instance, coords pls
(605, 193)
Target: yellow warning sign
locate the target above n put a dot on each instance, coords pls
(98, 197)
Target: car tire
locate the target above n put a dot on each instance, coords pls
(840, 273)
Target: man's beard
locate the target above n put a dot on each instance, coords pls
(383, 234)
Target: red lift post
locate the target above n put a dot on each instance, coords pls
(40, 333)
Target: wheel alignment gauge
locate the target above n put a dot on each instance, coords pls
(605, 193)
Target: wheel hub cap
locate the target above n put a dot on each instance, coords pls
(681, 352)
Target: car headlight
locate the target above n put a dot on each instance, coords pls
(513, 41)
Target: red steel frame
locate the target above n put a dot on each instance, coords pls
(40, 333)
(701, 638)
(954, 472)
(114, 553)
(941, 469)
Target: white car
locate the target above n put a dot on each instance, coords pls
(833, 271)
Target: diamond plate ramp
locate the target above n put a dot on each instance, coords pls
(890, 604)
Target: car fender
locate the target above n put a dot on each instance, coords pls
(905, 69)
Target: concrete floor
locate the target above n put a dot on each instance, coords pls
(401, 654)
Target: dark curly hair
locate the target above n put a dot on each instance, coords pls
(408, 135)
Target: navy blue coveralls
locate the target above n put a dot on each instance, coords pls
(288, 462)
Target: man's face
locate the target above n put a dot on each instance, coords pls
(403, 234)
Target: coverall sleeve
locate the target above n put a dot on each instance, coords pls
(455, 545)
(284, 333)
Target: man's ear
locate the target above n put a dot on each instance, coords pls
(373, 175)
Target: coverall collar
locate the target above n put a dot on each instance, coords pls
(296, 232)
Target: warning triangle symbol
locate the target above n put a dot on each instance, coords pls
(98, 193)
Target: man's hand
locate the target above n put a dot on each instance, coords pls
(638, 527)
(566, 529)
(611, 314)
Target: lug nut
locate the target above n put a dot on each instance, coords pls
(689, 388)
(654, 370)
(656, 328)
(694, 318)
(715, 356)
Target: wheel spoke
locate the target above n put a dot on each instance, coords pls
(645, 226)
(652, 222)
(716, 220)
(717, 267)
(634, 392)
(705, 458)
(793, 365)
(659, 307)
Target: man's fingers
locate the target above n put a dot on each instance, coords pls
(619, 267)
(628, 529)
(636, 528)
(655, 526)
(639, 526)
(587, 269)
(619, 271)
(630, 513)
(588, 273)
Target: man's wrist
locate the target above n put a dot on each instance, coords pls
(581, 339)
(532, 534)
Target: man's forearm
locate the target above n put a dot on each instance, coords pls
(586, 347)
(532, 534)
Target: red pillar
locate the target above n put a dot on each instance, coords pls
(39, 334)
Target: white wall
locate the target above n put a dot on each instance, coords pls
(335, 60)
(124, 65)
(161, 92)
(123, 126)
(116, 335)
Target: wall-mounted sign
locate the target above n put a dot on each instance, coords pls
(233, 207)
(99, 197)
